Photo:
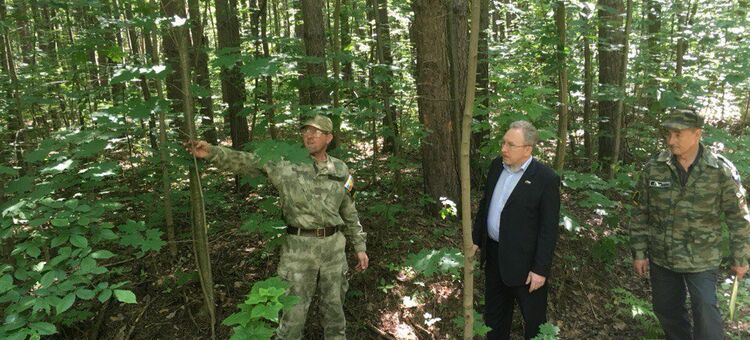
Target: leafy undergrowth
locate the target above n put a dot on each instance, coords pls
(412, 289)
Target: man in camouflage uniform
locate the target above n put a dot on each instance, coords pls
(676, 230)
(320, 215)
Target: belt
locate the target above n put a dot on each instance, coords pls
(319, 232)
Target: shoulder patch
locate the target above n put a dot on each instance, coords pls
(349, 184)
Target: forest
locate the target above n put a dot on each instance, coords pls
(109, 229)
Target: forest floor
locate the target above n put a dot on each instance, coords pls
(592, 296)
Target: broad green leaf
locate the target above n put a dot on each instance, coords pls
(57, 168)
(58, 240)
(4, 170)
(125, 296)
(87, 265)
(107, 234)
(79, 241)
(33, 251)
(269, 311)
(43, 328)
(84, 208)
(48, 278)
(254, 331)
(6, 283)
(86, 294)
(102, 254)
(39, 221)
(199, 91)
(65, 303)
(239, 318)
(23, 184)
(84, 220)
(105, 295)
(60, 222)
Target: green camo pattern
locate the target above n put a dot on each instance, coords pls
(312, 194)
(305, 261)
(680, 228)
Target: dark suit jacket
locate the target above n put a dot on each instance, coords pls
(528, 223)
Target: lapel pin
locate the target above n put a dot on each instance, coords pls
(527, 181)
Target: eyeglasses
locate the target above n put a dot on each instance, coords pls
(311, 131)
(513, 146)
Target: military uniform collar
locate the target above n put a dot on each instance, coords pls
(707, 157)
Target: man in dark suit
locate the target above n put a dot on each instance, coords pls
(516, 229)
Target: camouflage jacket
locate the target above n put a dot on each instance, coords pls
(312, 194)
(679, 227)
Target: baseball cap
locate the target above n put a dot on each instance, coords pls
(683, 119)
(320, 122)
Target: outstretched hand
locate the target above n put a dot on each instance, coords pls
(199, 148)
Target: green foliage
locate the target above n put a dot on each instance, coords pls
(547, 331)
(479, 328)
(62, 231)
(605, 249)
(274, 151)
(639, 310)
(260, 310)
(389, 211)
(436, 261)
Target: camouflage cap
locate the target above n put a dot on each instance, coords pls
(683, 119)
(321, 123)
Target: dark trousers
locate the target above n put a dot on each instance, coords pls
(500, 299)
(668, 291)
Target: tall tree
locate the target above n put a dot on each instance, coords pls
(232, 81)
(610, 46)
(588, 79)
(202, 78)
(433, 88)
(458, 33)
(562, 92)
(314, 75)
(172, 9)
(385, 59)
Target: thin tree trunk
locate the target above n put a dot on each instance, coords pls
(483, 92)
(202, 78)
(197, 203)
(385, 59)
(468, 298)
(270, 111)
(562, 123)
(588, 79)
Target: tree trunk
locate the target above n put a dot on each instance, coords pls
(468, 243)
(652, 57)
(346, 41)
(617, 146)
(135, 50)
(562, 123)
(232, 81)
(15, 119)
(588, 79)
(314, 76)
(202, 78)
(433, 99)
(163, 152)
(611, 40)
(270, 111)
(197, 203)
(385, 59)
(458, 33)
(171, 8)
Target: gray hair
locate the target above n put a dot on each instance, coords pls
(530, 134)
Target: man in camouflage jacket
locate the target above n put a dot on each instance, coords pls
(676, 229)
(319, 211)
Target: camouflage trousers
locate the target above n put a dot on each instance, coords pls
(310, 264)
